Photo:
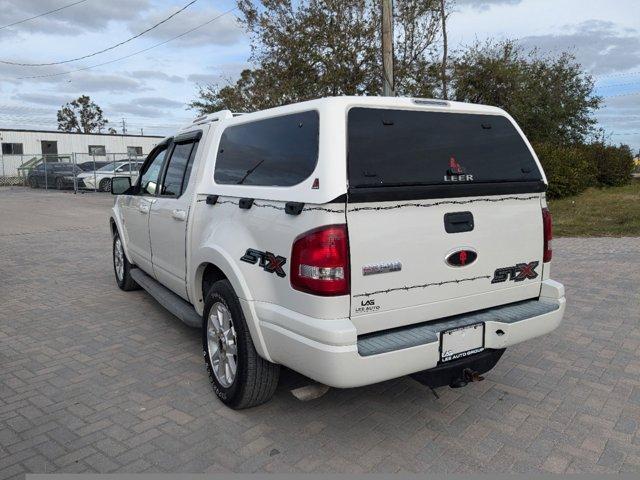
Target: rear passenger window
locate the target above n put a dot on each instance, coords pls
(280, 151)
(176, 168)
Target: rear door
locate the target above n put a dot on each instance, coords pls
(438, 203)
(170, 212)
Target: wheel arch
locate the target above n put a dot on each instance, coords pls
(115, 226)
(216, 266)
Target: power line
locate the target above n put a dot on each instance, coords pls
(104, 49)
(617, 74)
(622, 95)
(42, 14)
(619, 84)
(134, 53)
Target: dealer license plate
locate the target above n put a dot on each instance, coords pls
(461, 342)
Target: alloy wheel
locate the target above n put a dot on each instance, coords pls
(222, 344)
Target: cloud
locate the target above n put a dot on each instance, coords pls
(226, 73)
(158, 102)
(599, 46)
(204, 78)
(224, 31)
(83, 82)
(151, 107)
(87, 16)
(156, 75)
(44, 98)
(79, 83)
(485, 4)
(134, 109)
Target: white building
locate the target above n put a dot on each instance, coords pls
(20, 146)
(39, 142)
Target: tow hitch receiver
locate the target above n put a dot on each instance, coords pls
(468, 376)
(459, 373)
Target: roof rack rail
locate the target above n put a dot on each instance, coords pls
(213, 117)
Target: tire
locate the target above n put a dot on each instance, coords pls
(255, 379)
(105, 185)
(33, 182)
(122, 267)
(59, 184)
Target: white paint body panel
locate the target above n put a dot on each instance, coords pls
(314, 335)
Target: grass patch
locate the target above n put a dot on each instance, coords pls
(599, 212)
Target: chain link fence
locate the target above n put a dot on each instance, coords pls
(73, 171)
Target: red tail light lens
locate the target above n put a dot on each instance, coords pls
(548, 235)
(320, 261)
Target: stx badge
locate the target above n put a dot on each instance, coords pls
(517, 273)
(268, 261)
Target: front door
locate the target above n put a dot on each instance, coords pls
(49, 150)
(169, 216)
(136, 210)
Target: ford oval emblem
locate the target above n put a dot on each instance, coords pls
(461, 258)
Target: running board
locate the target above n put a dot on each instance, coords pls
(169, 300)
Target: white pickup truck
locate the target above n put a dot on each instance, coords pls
(351, 239)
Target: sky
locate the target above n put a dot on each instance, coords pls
(151, 90)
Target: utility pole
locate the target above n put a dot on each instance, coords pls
(141, 132)
(124, 127)
(387, 49)
(443, 14)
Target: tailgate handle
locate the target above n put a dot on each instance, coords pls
(457, 222)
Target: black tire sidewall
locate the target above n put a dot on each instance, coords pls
(222, 292)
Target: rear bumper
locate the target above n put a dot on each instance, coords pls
(330, 352)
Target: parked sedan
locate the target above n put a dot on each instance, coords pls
(101, 178)
(58, 175)
(90, 166)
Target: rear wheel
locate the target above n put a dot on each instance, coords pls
(59, 184)
(122, 267)
(240, 377)
(105, 185)
(33, 182)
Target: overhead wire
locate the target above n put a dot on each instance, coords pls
(131, 54)
(42, 14)
(93, 54)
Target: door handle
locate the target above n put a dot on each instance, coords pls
(144, 208)
(179, 215)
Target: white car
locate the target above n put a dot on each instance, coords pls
(100, 179)
(351, 239)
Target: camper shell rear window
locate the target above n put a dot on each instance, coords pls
(395, 148)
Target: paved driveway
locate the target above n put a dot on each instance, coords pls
(95, 379)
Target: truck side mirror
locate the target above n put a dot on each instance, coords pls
(120, 185)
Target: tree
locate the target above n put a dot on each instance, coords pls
(550, 97)
(316, 48)
(81, 115)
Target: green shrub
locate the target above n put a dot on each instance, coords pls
(613, 164)
(569, 170)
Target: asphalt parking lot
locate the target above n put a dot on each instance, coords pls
(93, 379)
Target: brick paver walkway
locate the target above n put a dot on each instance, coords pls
(93, 379)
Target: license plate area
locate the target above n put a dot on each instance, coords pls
(460, 342)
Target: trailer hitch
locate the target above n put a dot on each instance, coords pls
(468, 376)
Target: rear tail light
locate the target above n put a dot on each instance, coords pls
(320, 261)
(548, 235)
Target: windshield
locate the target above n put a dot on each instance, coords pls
(403, 147)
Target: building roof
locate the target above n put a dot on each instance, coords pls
(2, 129)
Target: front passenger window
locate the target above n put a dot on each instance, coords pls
(149, 180)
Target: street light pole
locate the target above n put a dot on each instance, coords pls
(387, 48)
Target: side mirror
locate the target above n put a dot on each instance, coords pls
(120, 185)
